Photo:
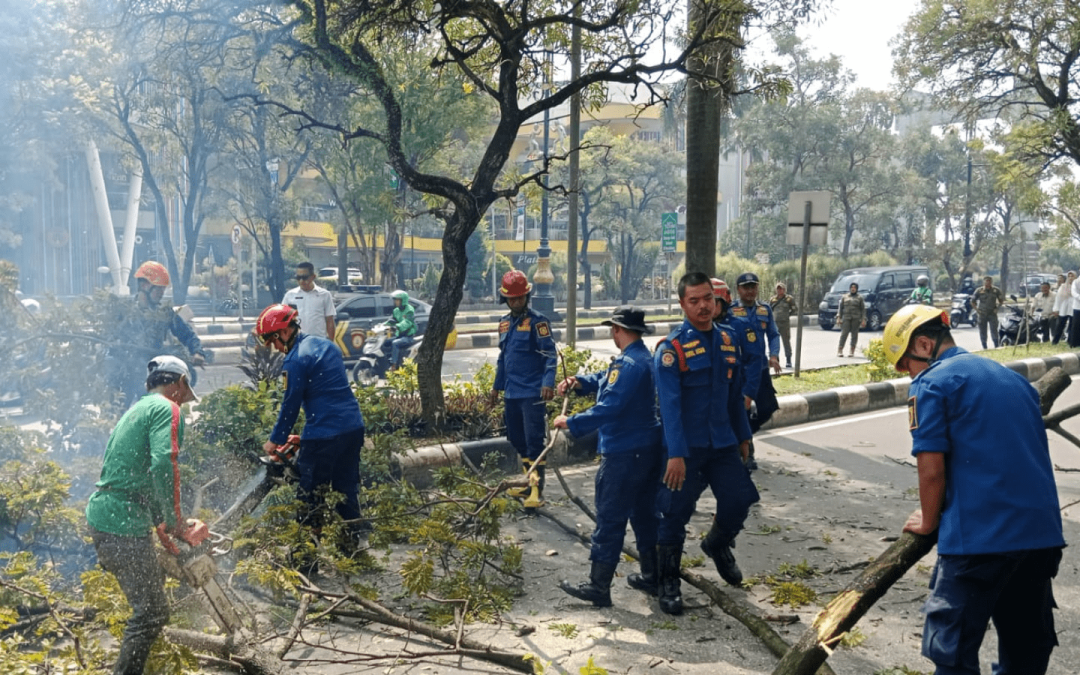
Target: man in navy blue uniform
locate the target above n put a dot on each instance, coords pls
(315, 379)
(525, 372)
(631, 457)
(699, 383)
(761, 342)
(986, 486)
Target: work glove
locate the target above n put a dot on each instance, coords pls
(286, 452)
(194, 532)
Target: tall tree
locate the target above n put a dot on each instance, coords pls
(495, 51)
(983, 58)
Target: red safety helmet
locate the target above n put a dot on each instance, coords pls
(273, 319)
(721, 290)
(515, 285)
(154, 272)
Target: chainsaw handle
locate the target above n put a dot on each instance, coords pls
(166, 540)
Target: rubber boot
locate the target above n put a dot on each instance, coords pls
(646, 581)
(521, 493)
(540, 475)
(597, 589)
(718, 546)
(751, 463)
(669, 559)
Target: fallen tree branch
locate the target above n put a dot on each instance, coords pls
(845, 610)
(738, 610)
(297, 625)
(252, 660)
(466, 646)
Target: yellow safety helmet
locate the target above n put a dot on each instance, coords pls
(898, 331)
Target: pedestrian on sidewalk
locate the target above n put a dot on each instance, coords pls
(851, 316)
(1043, 309)
(784, 307)
(525, 372)
(707, 435)
(986, 486)
(987, 299)
(1062, 305)
(631, 457)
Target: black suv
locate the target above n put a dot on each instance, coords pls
(885, 289)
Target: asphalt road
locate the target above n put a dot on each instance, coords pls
(819, 351)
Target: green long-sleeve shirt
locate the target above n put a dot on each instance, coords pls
(404, 321)
(140, 476)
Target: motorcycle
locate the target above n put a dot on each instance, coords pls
(1018, 327)
(375, 355)
(963, 311)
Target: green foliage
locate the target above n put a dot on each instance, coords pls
(879, 368)
(566, 630)
(34, 514)
(234, 421)
(802, 570)
(899, 670)
(853, 638)
(792, 593)
(591, 668)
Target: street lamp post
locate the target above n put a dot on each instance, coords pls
(543, 300)
(967, 213)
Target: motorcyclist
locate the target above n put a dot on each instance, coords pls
(404, 325)
(146, 324)
(922, 295)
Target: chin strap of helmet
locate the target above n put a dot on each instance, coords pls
(933, 352)
(292, 339)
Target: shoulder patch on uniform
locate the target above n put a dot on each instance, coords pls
(667, 358)
(738, 311)
(504, 326)
(543, 329)
(613, 376)
(762, 309)
(912, 414)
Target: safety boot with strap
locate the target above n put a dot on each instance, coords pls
(597, 589)
(669, 559)
(717, 545)
(648, 580)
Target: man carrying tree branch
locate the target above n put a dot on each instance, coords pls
(987, 488)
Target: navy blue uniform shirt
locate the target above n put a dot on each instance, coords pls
(526, 355)
(315, 378)
(625, 410)
(699, 380)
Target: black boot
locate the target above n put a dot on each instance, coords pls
(718, 546)
(668, 560)
(750, 463)
(597, 589)
(646, 581)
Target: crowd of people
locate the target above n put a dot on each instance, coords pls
(672, 423)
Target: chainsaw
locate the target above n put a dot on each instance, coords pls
(195, 565)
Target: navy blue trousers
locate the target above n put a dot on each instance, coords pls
(765, 403)
(626, 487)
(722, 471)
(335, 462)
(1011, 589)
(526, 425)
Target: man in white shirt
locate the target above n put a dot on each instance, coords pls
(1063, 305)
(1043, 308)
(314, 304)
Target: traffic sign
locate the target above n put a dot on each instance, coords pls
(236, 234)
(669, 223)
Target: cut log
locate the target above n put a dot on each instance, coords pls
(845, 610)
(254, 660)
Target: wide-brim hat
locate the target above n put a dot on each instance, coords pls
(630, 318)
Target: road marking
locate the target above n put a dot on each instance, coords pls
(826, 425)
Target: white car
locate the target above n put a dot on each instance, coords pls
(354, 275)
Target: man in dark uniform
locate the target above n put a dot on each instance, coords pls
(315, 379)
(699, 383)
(986, 486)
(762, 345)
(631, 457)
(525, 372)
(784, 307)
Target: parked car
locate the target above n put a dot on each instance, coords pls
(331, 273)
(1032, 282)
(359, 312)
(885, 289)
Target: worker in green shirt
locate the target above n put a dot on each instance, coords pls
(139, 490)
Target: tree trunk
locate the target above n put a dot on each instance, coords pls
(845, 610)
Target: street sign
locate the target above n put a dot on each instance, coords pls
(669, 223)
(819, 217)
(236, 234)
(519, 233)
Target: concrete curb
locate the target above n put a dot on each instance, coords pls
(821, 405)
